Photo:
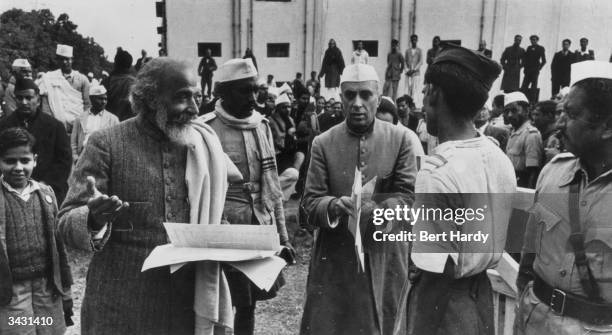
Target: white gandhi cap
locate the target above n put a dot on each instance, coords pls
(21, 63)
(235, 69)
(97, 90)
(64, 50)
(590, 69)
(359, 72)
(282, 99)
(514, 97)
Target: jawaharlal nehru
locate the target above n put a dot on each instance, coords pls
(341, 299)
(160, 166)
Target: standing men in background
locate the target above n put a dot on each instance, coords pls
(331, 67)
(52, 143)
(583, 53)
(482, 49)
(65, 91)
(205, 70)
(360, 56)
(434, 51)
(414, 60)
(561, 66)
(21, 68)
(340, 299)
(525, 143)
(247, 139)
(534, 61)
(142, 60)
(395, 68)
(511, 61)
(565, 276)
(451, 293)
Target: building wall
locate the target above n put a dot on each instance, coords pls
(193, 21)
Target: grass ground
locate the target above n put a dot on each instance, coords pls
(279, 316)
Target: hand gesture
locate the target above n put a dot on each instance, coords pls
(102, 208)
(340, 207)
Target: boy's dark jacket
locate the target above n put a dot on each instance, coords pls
(62, 278)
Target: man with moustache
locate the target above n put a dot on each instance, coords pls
(257, 199)
(565, 276)
(341, 299)
(160, 166)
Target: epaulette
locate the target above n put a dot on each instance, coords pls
(207, 117)
(431, 162)
(564, 156)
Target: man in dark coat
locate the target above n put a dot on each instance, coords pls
(332, 66)
(119, 83)
(52, 142)
(561, 68)
(205, 70)
(534, 61)
(341, 299)
(512, 61)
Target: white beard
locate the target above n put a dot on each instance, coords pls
(182, 135)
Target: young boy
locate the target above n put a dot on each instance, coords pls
(34, 272)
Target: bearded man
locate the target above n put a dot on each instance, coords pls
(158, 166)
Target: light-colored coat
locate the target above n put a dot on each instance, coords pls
(78, 136)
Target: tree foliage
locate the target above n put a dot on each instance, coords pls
(34, 35)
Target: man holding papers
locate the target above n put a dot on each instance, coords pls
(341, 298)
(160, 166)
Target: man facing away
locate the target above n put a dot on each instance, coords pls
(452, 293)
(340, 298)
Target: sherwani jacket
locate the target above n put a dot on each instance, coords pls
(135, 161)
(339, 299)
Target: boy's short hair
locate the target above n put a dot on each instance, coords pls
(15, 137)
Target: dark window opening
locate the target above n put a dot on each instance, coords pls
(215, 49)
(370, 46)
(278, 49)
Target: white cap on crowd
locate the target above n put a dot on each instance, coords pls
(97, 90)
(285, 88)
(235, 69)
(64, 50)
(21, 63)
(282, 99)
(514, 97)
(590, 69)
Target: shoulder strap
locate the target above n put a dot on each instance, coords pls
(576, 239)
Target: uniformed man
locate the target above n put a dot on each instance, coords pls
(247, 139)
(566, 268)
(524, 146)
(466, 172)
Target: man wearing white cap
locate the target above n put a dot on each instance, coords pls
(566, 266)
(95, 119)
(257, 199)
(21, 68)
(341, 296)
(65, 91)
(524, 146)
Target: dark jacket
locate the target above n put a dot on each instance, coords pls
(52, 147)
(561, 67)
(535, 58)
(332, 67)
(118, 95)
(62, 278)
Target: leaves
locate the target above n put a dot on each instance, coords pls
(34, 35)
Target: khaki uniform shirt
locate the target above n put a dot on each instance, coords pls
(548, 228)
(524, 147)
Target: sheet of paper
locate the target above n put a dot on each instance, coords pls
(262, 272)
(249, 237)
(353, 220)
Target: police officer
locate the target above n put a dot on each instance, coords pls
(566, 269)
(524, 146)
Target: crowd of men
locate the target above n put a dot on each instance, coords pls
(121, 155)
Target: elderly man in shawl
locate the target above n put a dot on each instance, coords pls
(161, 165)
(341, 299)
(65, 91)
(247, 139)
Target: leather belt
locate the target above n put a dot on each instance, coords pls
(572, 305)
(244, 187)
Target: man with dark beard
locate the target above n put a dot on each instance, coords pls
(246, 137)
(158, 166)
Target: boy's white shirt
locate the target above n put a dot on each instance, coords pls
(25, 194)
